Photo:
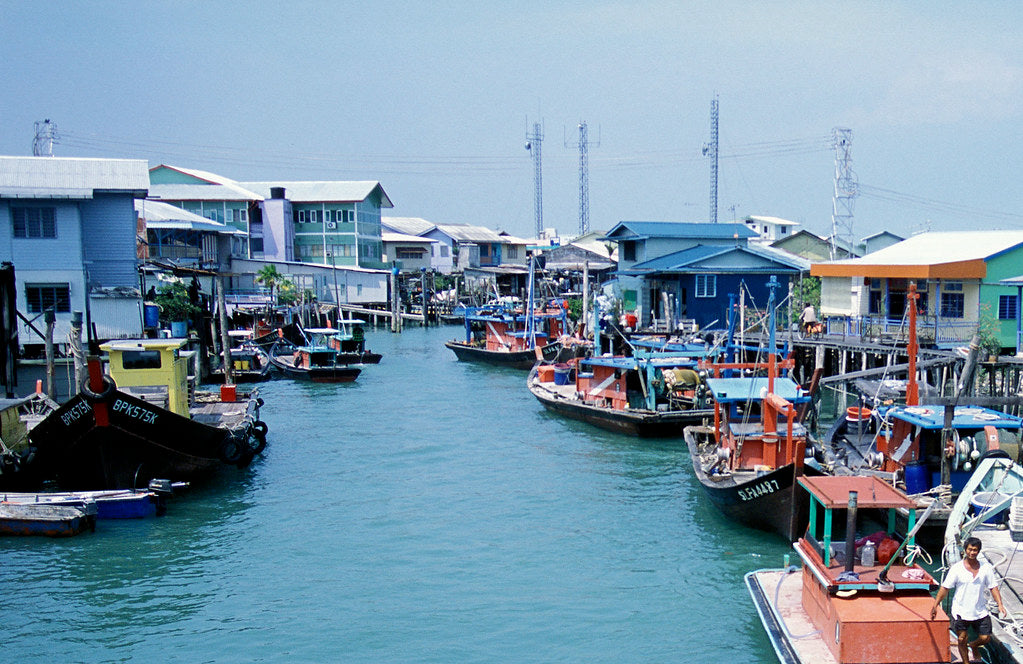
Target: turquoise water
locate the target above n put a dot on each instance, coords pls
(430, 512)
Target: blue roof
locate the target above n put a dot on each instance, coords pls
(675, 229)
(688, 260)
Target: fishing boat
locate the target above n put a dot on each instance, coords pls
(144, 420)
(842, 609)
(349, 340)
(17, 454)
(990, 508)
(48, 519)
(749, 458)
(928, 448)
(503, 335)
(250, 363)
(647, 394)
(316, 362)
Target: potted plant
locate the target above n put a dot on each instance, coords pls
(176, 307)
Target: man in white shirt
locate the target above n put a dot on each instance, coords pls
(970, 579)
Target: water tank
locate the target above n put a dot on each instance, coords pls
(276, 192)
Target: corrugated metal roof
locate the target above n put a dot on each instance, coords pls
(167, 216)
(688, 260)
(60, 177)
(671, 229)
(409, 225)
(402, 237)
(467, 233)
(323, 191)
(941, 247)
(202, 192)
(777, 221)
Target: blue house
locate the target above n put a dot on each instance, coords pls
(669, 271)
(69, 226)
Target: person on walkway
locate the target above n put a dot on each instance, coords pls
(808, 318)
(970, 578)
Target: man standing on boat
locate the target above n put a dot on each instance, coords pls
(970, 578)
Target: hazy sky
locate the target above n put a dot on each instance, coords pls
(434, 100)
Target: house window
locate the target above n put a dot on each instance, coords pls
(443, 251)
(1007, 307)
(484, 250)
(952, 305)
(706, 285)
(511, 252)
(409, 253)
(40, 297)
(628, 251)
(239, 216)
(33, 222)
(876, 296)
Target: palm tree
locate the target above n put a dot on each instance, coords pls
(271, 278)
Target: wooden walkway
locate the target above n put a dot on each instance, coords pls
(1007, 557)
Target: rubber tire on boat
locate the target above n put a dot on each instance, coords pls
(258, 438)
(231, 450)
(104, 395)
(246, 458)
(259, 402)
(993, 454)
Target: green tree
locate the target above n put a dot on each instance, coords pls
(271, 277)
(174, 303)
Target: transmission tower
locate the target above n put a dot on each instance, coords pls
(846, 189)
(711, 150)
(46, 136)
(584, 177)
(533, 142)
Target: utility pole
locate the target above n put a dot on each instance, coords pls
(533, 142)
(584, 177)
(711, 150)
(846, 189)
(46, 136)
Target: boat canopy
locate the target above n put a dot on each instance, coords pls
(735, 390)
(966, 417)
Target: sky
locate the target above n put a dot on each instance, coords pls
(435, 101)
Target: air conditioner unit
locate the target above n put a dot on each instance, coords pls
(331, 225)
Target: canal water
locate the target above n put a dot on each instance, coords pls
(432, 511)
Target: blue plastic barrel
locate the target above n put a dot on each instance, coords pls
(151, 315)
(916, 478)
(179, 329)
(561, 372)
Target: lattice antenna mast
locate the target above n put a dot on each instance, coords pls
(584, 176)
(533, 143)
(846, 189)
(46, 136)
(711, 150)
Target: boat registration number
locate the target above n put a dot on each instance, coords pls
(142, 414)
(757, 490)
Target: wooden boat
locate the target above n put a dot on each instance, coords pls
(319, 364)
(143, 421)
(49, 519)
(17, 454)
(349, 340)
(110, 504)
(250, 363)
(849, 612)
(929, 449)
(748, 460)
(990, 508)
(649, 394)
(504, 336)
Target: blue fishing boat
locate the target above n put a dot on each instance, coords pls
(110, 504)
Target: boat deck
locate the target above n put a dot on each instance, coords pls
(210, 410)
(1007, 558)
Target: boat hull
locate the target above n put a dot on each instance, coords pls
(521, 359)
(114, 504)
(139, 442)
(765, 501)
(641, 423)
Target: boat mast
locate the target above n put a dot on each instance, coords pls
(912, 389)
(530, 322)
(772, 285)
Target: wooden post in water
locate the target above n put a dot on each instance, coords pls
(77, 354)
(224, 337)
(395, 313)
(51, 318)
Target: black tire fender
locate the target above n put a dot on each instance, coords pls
(104, 395)
(993, 454)
(260, 428)
(231, 449)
